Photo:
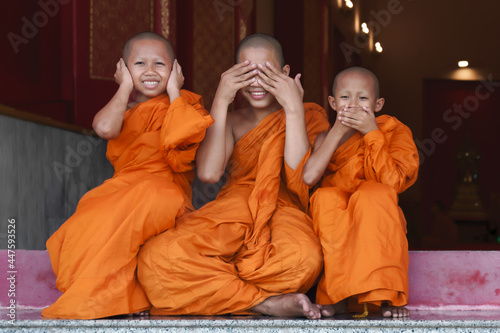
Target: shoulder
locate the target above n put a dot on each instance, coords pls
(389, 123)
(314, 108)
(191, 97)
(315, 113)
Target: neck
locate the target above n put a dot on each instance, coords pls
(261, 113)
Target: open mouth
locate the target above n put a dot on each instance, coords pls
(258, 94)
(151, 83)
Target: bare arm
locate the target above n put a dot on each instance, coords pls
(108, 121)
(289, 94)
(217, 146)
(325, 145)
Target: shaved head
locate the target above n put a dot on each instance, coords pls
(147, 35)
(359, 70)
(262, 41)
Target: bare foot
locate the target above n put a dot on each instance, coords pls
(328, 310)
(394, 311)
(288, 305)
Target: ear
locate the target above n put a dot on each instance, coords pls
(331, 101)
(286, 70)
(379, 104)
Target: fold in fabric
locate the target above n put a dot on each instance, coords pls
(357, 218)
(94, 253)
(252, 242)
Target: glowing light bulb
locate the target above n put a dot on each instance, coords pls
(378, 47)
(463, 63)
(364, 28)
(349, 3)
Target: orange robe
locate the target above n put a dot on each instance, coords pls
(94, 253)
(357, 218)
(252, 242)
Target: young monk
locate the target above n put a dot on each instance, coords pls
(253, 249)
(152, 144)
(368, 161)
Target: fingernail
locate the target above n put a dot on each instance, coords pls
(260, 66)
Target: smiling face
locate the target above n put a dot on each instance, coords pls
(356, 89)
(149, 64)
(257, 96)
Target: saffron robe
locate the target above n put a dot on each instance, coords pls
(252, 242)
(357, 218)
(94, 253)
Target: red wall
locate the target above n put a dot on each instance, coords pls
(479, 117)
(31, 59)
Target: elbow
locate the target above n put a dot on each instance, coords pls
(309, 179)
(208, 177)
(104, 132)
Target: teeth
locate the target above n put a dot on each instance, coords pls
(261, 93)
(150, 82)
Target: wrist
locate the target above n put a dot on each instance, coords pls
(220, 102)
(294, 112)
(173, 93)
(126, 87)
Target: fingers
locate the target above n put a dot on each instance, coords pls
(120, 65)
(369, 111)
(270, 77)
(240, 74)
(122, 73)
(249, 75)
(241, 68)
(265, 85)
(269, 73)
(299, 84)
(177, 68)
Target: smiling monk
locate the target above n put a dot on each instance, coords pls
(152, 145)
(368, 161)
(253, 249)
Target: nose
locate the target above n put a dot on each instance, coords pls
(255, 83)
(150, 69)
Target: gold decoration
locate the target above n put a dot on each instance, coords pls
(467, 204)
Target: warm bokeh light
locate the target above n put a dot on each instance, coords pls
(349, 3)
(364, 28)
(468, 74)
(378, 47)
(463, 63)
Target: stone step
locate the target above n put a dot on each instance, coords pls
(29, 320)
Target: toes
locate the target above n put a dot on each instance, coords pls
(326, 310)
(395, 312)
(313, 312)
